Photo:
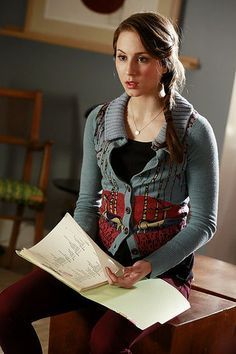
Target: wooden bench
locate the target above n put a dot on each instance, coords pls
(215, 277)
(209, 327)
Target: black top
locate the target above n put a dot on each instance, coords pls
(131, 158)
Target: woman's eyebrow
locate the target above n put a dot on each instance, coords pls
(138, 53)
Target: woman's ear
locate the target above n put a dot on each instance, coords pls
(164, 71)
(161, 67)
(164, 68)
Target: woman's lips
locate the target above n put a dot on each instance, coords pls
(131, 84)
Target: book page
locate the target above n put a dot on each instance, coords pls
(148, 302)
(69, 254)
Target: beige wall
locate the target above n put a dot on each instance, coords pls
(223, 245)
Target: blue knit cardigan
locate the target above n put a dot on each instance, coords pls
(184, 193)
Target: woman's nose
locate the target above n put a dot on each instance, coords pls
(131, 68)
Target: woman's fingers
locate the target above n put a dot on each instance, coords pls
(130, 274)
(127, 280)
(112, 278)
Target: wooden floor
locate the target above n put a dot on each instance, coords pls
(42, 327)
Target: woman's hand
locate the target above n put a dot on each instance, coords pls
(130, 274)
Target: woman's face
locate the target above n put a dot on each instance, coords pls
(138, 71)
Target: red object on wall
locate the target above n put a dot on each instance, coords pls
(103, 6)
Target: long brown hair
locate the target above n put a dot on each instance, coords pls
(159, 37)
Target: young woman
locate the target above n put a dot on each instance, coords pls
(154, 160)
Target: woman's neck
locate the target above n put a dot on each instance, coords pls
(144, 118)
(145, 107)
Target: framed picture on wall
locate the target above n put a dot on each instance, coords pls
(89, 24)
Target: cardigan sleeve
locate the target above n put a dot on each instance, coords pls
(202, 183)
(86, 211)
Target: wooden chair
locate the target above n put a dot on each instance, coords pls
(24, 174)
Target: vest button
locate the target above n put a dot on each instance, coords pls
(128, 188)
(127, 210)
(134, 251)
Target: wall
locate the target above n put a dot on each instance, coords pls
(72, 80)
(223, 245)
(209, 34)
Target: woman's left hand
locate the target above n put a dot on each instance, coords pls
(130, 274)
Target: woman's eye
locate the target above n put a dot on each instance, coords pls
(143, 59)
(121, 57)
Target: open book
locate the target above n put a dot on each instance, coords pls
(71, 256)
